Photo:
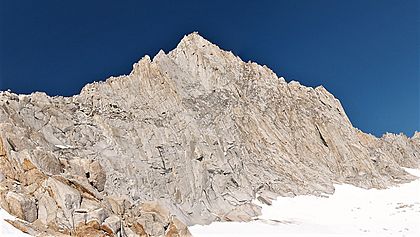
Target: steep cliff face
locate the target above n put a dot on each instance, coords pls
(189, 137)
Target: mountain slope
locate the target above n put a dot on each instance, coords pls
(190, 137)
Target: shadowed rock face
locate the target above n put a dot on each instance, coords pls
(190, 137)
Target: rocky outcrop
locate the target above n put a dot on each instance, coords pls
(189, 137)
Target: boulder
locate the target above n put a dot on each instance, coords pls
(47, 209)
(67, 198)
(112, 224)
(21, 206)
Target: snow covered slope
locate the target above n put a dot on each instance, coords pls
(350, 211)
(6, 229)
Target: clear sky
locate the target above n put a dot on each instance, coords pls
(366, 52)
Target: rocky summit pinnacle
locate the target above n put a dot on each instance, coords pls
(189, 137)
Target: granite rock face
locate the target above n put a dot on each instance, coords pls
(189, 137)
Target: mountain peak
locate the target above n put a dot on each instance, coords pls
(194, 42)
(194, 38)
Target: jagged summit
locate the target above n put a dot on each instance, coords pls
(189, 137)
(194, 42)
(201, 59)
(194, 38)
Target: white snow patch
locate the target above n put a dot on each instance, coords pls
(350, 211)
(414, 172)
(6, 229)
(63, 146)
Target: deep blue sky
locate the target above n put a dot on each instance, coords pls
(366, 52)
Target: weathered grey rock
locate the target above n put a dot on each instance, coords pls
(47, 209)
(79, 217)
(21, 206)
(98, 215)
(113, 224)
(194, 134)
(96, 175)
(67, 198)
(177, 228)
